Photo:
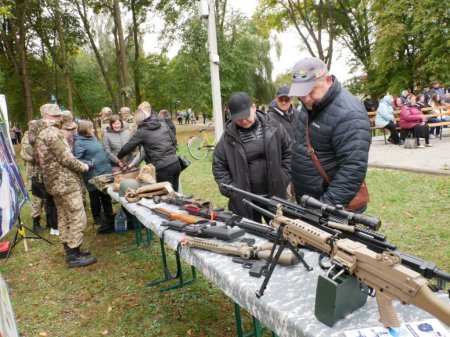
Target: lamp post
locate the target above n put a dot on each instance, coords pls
(207, 11)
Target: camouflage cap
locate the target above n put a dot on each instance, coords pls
(50, 109)
(106, 111)
(67, 116)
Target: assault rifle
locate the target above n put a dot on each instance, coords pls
(243, 250)
(382, 272)
(204, 230)
(344, 224)
(181, 200)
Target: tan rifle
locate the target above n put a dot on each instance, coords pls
(243, 250)
(380, 271)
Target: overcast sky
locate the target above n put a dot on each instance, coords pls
(290, 42)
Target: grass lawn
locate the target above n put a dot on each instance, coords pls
(110, 298)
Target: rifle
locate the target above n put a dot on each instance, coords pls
(169, 215)
(181, 200)
(243, 250)
(218, 214)
(344, 224)
(382, 272)
(204, 230)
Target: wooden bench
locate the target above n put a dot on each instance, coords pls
(445, 112)
(372, 116)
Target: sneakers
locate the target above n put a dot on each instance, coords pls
(401, 142)
(429, 145)
(54, 231)
(390, 140)
(420, 146)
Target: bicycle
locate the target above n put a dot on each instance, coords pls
(200, 146)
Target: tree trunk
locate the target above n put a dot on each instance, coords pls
(64, 57)
(126, 90)
(137, 74)
(87, 29)
(13, 40)
(119, 69)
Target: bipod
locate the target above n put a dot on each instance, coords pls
(21, 231)
(272, 261)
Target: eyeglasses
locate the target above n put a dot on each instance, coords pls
(284, 99)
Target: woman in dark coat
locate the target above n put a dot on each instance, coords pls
(87, 149)
(159, 145)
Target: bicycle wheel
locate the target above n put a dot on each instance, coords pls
(198, 147)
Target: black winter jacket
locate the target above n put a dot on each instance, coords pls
(287, 121)
(339, 131)
(155, 137)
(230, 162)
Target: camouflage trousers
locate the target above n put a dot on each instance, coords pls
(71, 218)
(36, 205)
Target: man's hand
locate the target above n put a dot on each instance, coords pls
(121, 164)
(86, 167)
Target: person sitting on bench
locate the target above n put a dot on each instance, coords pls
(412, 119)
(385, 119)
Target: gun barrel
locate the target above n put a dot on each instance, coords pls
(260, 210)
(251, 196)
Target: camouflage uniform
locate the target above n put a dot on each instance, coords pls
(59, 170)
(129, 124)
(27, 154)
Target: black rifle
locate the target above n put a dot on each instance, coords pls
(204, 230)
(344, 224)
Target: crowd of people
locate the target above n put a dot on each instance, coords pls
(64, 155)
(319, 149)
(413, 119)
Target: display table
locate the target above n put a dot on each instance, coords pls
(287, 307)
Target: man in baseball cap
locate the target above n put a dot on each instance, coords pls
(282, 109)
(310, 81)
(253, 154)
(338, 128)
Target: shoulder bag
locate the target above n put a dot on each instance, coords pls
(361, 198)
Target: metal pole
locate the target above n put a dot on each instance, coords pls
(214, 65)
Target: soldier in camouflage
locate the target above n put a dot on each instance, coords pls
(127, 120)
(105, 116)
(59, 169)
(27, 155)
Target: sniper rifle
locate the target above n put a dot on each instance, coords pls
(181, 200)
(382, 272)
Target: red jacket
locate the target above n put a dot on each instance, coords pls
(410, 116)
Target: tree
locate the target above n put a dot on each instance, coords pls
(314, 21)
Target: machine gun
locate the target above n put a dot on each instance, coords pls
(170, 215)
(204, 230)
(382, 272)
(344, 224)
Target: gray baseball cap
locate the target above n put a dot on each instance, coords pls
(304, 75)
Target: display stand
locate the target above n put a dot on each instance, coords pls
(258, 328)
(21, 231)
(168, 276)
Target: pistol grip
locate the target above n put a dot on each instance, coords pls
(388, 316)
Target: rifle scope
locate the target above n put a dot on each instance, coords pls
(354, 218)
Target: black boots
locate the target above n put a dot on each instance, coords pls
(107, 225)
(36, 225)
(78, 258)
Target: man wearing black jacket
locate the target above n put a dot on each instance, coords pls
(339, 132)
(253, 154)
(282, 110)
